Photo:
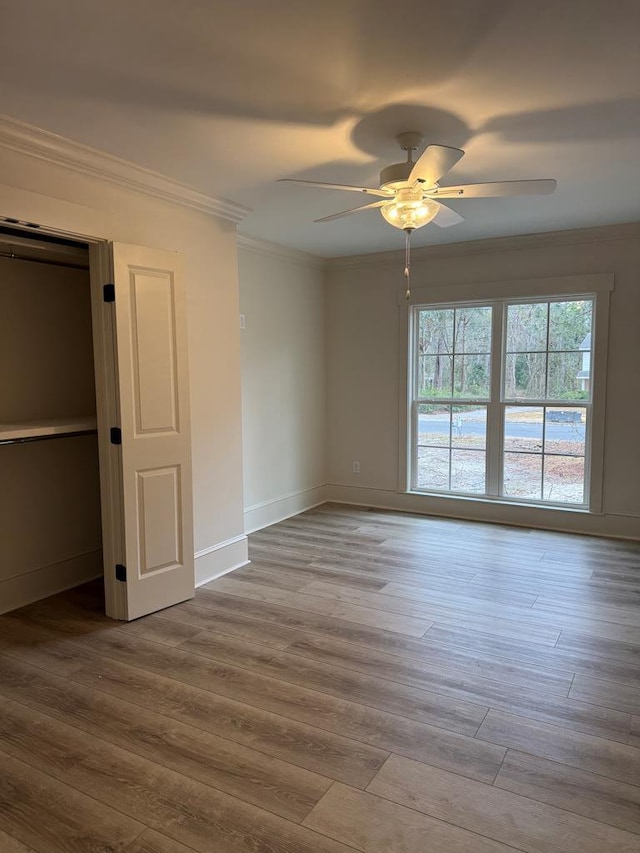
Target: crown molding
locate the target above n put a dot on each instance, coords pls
(35, 142)
(276, 250)
(623, 231)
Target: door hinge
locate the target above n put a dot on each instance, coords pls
(115, 435)
(121, 573)
(109, 292)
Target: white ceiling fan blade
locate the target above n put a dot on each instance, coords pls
(497, 189)
(352, 210)
(445, 217)
(367, 190)
(435, 161)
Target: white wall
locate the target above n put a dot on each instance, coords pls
(363, 363)
(283, 381)
(35, 190)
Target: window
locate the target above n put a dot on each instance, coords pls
(501, 400)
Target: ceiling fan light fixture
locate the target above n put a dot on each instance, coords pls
(411, 214)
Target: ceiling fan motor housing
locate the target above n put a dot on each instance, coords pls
(396, 175)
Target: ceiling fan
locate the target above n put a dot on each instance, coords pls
(411, 195)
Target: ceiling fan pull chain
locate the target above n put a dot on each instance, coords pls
(407, 262)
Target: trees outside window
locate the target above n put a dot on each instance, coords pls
(501, 399)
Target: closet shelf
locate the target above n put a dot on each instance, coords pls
(49, 428)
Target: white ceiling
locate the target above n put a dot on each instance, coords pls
(229, 95)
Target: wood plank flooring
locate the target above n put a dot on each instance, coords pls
(372, 681)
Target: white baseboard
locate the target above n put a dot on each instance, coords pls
(518, 515)
(272, 511)
(48, 580)
(220, 559)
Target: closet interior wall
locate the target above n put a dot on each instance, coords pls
(50, 531)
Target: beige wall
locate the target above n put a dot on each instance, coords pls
(283, 382)
(34, 190)
(46, 348)
(363, 363)
(50, 535)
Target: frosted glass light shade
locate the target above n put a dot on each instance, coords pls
(412, 213)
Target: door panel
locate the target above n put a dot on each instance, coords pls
(154, 459)
(160, 519)
(153, 327)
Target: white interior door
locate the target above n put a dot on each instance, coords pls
(148, 520)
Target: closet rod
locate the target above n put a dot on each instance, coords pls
(28, 438)
(15, 257)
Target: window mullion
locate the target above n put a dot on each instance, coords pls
(410, 474)
(546, 360)
(544, 435)
(495, 420)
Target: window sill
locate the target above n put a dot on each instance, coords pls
(487, 500)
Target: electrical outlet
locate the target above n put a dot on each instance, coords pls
(356, 466)
(243, 322)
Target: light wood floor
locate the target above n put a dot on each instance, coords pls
(372, 681)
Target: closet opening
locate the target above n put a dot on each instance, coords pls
(50, 504)
(95, 431)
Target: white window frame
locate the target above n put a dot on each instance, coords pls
(597, 287)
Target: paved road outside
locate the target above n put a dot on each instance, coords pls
(473, 423)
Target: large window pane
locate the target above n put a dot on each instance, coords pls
(564, 479)
(473, 330)
(461, 428)
(434, 425)
(565, 375)
(435, 375)
(433, 468)
(559, 450)
(527, 327)
(468, 471)
(525, 375)
(523, 428)
(471, 376)
(435, 331)
(569, 324)
(523, 475)
(564, 431)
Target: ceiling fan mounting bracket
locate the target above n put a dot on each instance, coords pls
(411, 140)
